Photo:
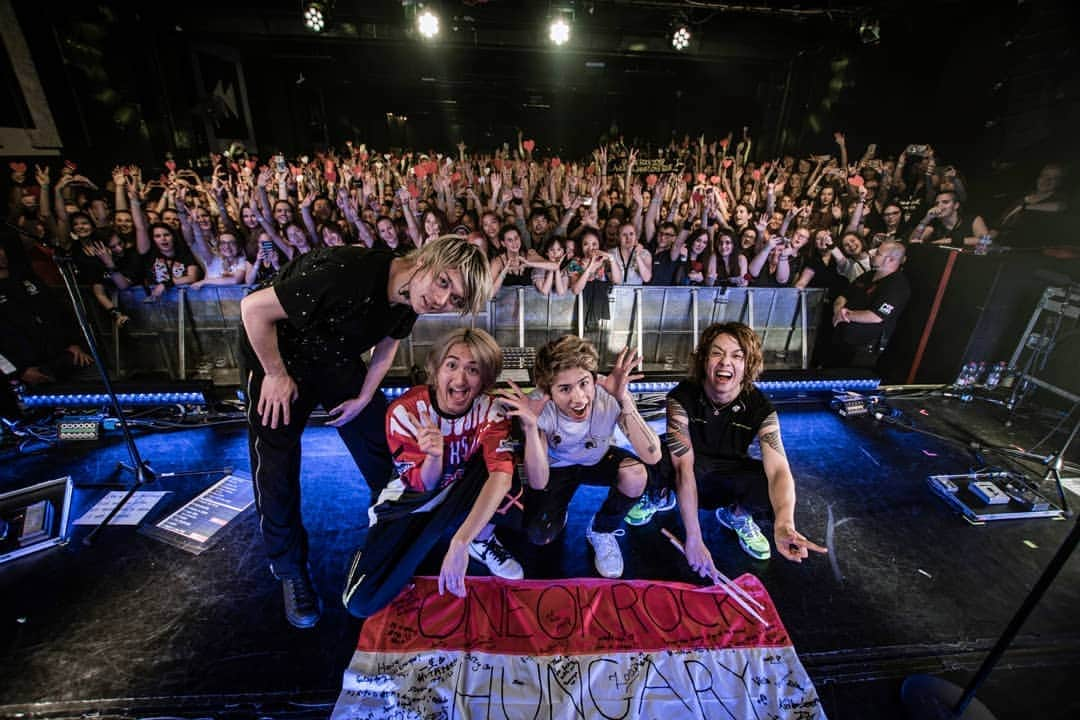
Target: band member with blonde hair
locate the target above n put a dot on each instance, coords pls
(304, 335)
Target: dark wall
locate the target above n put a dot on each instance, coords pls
(987, 84)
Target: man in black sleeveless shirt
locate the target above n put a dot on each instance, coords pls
(712, 418)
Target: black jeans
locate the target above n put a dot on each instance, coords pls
(275, 457)
(545, 510)
(402, 535)
(738, 481)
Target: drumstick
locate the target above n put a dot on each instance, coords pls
(722, 577)
(733, 591)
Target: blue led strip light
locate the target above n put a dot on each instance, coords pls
(186, 398)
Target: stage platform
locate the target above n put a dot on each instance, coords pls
(134, 627)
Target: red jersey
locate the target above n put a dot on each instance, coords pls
(484, 428)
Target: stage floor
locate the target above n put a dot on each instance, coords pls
(133, 627)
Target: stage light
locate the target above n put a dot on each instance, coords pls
(314, 19)
(680, 39)
(427, 23)
(559, 32)
(870, 32)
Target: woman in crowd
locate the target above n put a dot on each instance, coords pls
(433, 225)
(489, 225)
(228, 266)
(771, 265)
(730, 264)
(700, 266)
(555, 281)
(821, 269)
(854, 260)
(514, 267)
(168, 261)
(268, 260)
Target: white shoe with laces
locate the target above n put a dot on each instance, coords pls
(497, 558)
(609, 559)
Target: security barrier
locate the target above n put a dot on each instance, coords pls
(194, 334)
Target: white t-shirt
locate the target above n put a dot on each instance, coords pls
(216, 268)
(580, 443)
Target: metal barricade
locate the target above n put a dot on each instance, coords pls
(194, 334)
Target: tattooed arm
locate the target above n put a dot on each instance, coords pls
(642, 438)
(682, 457)
(789, 542)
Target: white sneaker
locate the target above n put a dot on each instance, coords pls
(608, 560)
(496, 557)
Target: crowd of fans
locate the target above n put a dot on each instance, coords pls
(700, 212)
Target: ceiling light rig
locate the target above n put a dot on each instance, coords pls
(314, 19)
(559, 31)
(680, 39)
(427, 22)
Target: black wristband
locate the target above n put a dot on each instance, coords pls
(114, 311)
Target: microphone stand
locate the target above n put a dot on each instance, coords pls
(931, 698)
(139, 468)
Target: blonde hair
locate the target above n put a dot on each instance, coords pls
(484, 349)
(452, 252)
(748, 342)
(566, 353)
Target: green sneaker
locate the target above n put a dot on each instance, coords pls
(642, 511)
(648, 505)
(753, 541)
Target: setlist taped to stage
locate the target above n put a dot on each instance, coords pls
(133, 512)
(196, 525)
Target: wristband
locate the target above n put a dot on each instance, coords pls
(114, 311)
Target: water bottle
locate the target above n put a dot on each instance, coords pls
(967, 375)
(980, 373)
(996, 373)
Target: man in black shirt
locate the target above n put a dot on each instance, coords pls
(944, 225)
(865, 314)
(668, 254)
(305, 334)
(712, 418)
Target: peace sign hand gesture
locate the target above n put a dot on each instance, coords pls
(428, 437)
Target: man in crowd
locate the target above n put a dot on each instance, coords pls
(944, 225)
(865, 315)
(712, 418)
(304, 335)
